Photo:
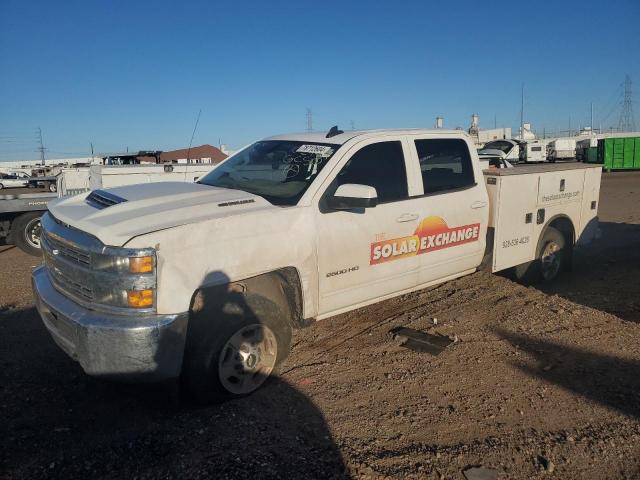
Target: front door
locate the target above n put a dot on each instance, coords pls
(357, 264)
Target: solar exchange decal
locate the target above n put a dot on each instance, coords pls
(432, 234)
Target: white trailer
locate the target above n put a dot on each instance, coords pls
(533, 151)
(561, 149)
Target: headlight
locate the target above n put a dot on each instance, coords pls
(141, 264)
(125, 261)
(125, 278)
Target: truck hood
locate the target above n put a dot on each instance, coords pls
(149, 207)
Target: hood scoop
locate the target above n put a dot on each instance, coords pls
(101, 199)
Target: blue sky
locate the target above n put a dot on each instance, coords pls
(134, 74)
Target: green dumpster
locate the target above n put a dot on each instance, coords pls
(621, 153)
(591, 155)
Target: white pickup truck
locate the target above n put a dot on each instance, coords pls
(205, 281)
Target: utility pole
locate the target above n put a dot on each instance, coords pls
(353, 125)
(91, 143)
(591, 124)
(569, 125)
(495, 121)
(309, 120)
(41, 149)
(522, 114)
(627, 122)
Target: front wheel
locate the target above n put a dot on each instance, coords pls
(551, 257)
(233, 347)
(52, 187)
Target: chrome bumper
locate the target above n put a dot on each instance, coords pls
(134, 348)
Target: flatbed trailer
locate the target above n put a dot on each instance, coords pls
(20, 219)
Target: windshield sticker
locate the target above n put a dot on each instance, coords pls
(432, 234)
(322, 150)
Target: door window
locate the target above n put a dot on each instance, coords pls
(445, 164)
(379, 165)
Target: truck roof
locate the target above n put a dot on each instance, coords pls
(341, 138)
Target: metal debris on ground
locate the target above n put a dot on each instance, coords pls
(480, 473)
(421, 341)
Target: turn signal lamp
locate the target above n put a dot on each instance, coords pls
(140, 298)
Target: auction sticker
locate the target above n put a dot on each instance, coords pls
(322, 150)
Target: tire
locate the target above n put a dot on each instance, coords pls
(1, 186)
(52, 187)
(552, 256)
(213, 369)
(25, 233)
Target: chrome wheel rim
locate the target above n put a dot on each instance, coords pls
(551, 259)
(32, 233)
(247, 359)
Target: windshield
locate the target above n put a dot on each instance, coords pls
(278, 170)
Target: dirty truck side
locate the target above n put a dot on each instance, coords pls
(205, 281)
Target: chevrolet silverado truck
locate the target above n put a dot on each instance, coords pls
(204, 282)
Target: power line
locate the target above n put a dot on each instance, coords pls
(41, 149)
(627, 122)
(309, 120)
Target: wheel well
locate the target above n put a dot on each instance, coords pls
(565, 226)
(282, 287)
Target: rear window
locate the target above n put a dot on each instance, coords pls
(445, 164)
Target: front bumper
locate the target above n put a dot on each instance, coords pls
(132, 348)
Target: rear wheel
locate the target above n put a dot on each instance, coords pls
(551, 257)
(25, 233)
(1, 186)
(234, 346)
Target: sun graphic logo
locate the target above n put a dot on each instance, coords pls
(432, 234)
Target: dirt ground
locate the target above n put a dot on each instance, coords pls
(542, 383)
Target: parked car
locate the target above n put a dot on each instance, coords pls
(506, 149)
(12, 180)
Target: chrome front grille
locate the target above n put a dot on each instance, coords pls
(68, 260)
(62, 281)
(68, 251)
(66, 267)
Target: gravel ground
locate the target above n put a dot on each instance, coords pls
(540, 384)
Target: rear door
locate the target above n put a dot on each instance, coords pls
(454, 208)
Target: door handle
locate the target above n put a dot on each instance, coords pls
(478, 204)
(407, 217)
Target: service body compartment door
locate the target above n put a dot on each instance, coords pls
(560, 187)
(514, 217)
(589, 213)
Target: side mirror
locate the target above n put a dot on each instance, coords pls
(353, 195)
